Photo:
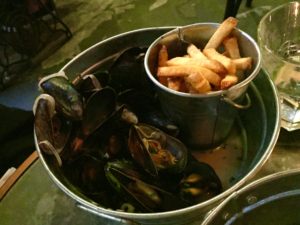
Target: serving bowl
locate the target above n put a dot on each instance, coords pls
(242, 154)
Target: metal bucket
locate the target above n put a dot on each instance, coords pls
(274, 199)
(212, 112)
(248, 146)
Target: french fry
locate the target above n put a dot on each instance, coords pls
(213, 65)
(195, 52)
(211, 53)
(223, 31)
(177, 71)
(226, 54)
(243, 63)
(163, 57)
(176, 84)
(196, 83)
(231, 46)
(228, 81)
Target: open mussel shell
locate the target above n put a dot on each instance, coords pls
(128, 71)
(148, 110)
(155, 151)
(87, 85)
(51, 129)
(67, 98)
(99, 107)
(109, 140)
(133, 187)
(199, 183)
(87, 173)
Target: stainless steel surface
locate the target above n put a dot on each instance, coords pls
(197, 112)
(251, 142)
(274, 199)
(245, 105)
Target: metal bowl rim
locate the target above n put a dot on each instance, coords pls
(256, 183)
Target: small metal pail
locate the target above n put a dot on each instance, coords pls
(204, 119)
(274, 199)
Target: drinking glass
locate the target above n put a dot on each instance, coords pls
(279, 41)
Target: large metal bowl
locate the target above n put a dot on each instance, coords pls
(244, 152)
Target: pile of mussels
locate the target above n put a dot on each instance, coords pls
(107, 134)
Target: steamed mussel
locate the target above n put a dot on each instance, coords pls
(137, 189)
(156, 151)
(111, 140)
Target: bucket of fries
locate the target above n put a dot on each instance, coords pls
(201, 73)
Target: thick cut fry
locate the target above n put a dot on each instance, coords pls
(196, 83)
(243, 63)
(231, 46)
(225, 54)
(228, 81)
(195, 52)
(213, 65)
(175, 71)
(176, 84)
(163, 56)
(211, 53)
(223, 31)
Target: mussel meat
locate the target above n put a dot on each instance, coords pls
(156, 151)
(200, 182)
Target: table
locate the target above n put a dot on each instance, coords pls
(41, 202)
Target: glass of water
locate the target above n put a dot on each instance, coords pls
(279, 41)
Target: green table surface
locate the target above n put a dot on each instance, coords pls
(35, 199)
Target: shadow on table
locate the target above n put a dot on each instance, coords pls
(16, 137)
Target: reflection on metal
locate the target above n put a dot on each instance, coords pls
(29, 31)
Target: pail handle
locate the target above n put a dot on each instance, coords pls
(239, 106)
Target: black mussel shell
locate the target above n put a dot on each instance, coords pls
(52, 129)
(110, 139)
(87, 173)
(87, 85)
(146, 107)
(102, 76)
(199, 183)
(134, 187)
(128, 71)
(67, 98)
(155, 151)
(99, 107)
